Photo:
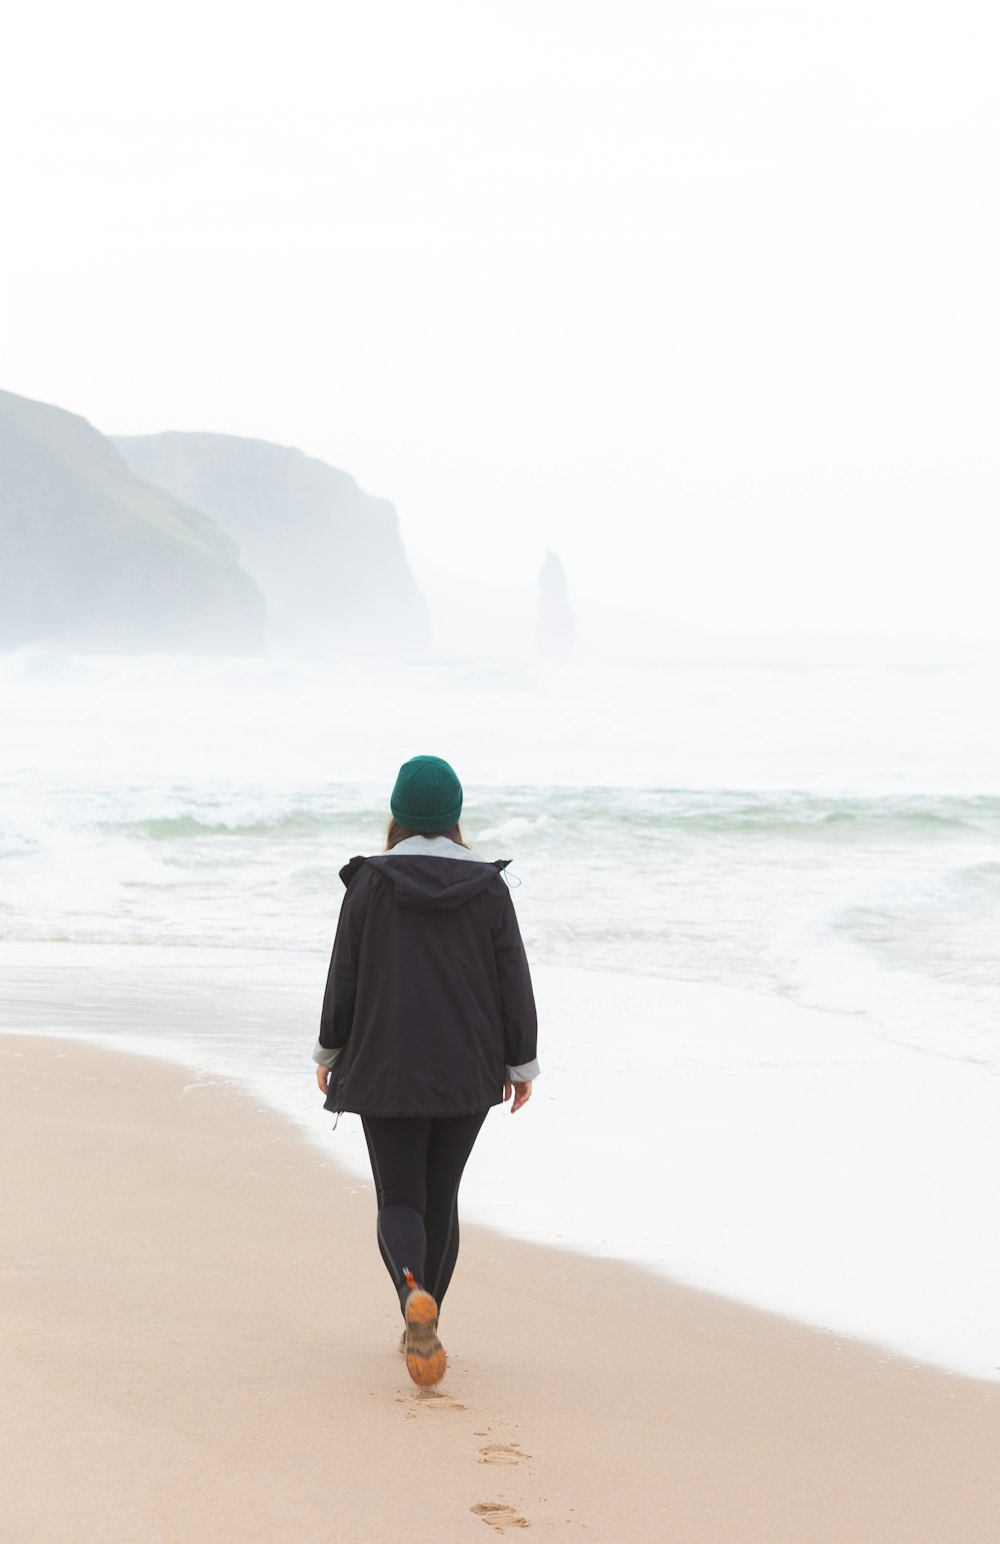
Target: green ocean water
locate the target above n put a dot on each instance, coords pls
(828, 835)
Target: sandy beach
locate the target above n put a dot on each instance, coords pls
(200, 1345)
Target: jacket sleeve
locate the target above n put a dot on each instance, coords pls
(520, 1020)
(342, 980)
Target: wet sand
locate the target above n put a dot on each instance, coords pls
(200, 1346)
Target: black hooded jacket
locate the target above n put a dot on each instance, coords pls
(428, 997)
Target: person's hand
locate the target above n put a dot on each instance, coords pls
(323, 1078)
(522, 1093)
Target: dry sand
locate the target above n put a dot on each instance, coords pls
(199, 1347)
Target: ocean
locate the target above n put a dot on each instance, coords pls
(816, 838)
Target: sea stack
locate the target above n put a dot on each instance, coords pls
(556, 626)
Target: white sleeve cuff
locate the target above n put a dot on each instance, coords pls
(524, 1074)
(325, 1058)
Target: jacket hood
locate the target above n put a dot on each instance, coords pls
(430, 873)
(434, 883)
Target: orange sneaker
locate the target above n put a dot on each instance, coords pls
(425, 1355)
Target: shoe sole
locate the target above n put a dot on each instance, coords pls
(425, 1355)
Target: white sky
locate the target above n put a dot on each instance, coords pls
(703, 296)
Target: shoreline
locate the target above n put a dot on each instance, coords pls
(201, 1344)
(783, 1153)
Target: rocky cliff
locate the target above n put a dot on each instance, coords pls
(327, 556)
(92, 557)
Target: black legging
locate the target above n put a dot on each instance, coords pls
(417, 1166)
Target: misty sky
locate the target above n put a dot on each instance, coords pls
(703, 296)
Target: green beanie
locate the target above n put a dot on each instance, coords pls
(427, 796)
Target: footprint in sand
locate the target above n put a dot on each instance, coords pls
(499, 1516)
(502, 1453)
(437, 1400)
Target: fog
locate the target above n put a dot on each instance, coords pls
(701, 298)
(605, 399)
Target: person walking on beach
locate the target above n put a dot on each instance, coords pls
(428, 1020)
